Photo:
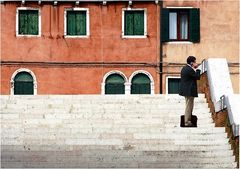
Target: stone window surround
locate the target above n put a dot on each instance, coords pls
(39, 21)
(23, 70)
(127, 83)
(87, 22)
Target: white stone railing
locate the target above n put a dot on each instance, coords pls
(221, 90)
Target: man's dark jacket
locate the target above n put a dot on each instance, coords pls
(188, 84)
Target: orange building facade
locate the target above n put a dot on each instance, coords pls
(62, 64)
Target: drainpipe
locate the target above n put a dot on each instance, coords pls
(161, 51)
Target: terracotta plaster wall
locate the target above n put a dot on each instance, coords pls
(219, 32)
(71, 80)
(105, 42)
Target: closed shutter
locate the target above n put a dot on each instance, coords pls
(139, 23)
(76, 23)
(173, 86)
(194, 27)
(23, 84)
(134, 23)
(23, 22)
(140, 88)
(81, 23)
(140, 84)
(114, 85)
(28, 22)
(71, 23)
(33, 22)
(165, 25)
(129, 20)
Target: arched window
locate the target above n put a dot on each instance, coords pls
(114, 84)
(141, 84)
(23, 84)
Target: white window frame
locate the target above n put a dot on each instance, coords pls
(87, 23)
(145, 22)
(170, 77)
(39, 21)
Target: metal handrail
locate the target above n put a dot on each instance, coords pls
(223, 105)
(203, 65)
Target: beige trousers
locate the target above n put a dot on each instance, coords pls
(189, 108)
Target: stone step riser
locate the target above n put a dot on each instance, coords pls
(81, 159)
(106, 148)
(111, 141)
(99, 108)
(87, 121)
(96, 164)
(52, 135)
(90, 102)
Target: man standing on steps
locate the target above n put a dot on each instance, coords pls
(188, 87)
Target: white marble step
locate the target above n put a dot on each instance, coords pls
(73, 164)
(109, 131)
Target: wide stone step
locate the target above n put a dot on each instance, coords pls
(97, 126)
(28, 157)
(115, 130)
(79, 135)
(103, 116)
(96, 107)
(104, 148)
(18, 155)
(73, 164)
(105, 97)
(115, 100)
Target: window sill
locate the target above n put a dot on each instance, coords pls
(83, 36)
(132, 37)
(28, 36)
(180, 42)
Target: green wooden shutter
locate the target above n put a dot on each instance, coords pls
(23, 84)
(138, 23)
(33, 22)
(173, 86)
(76, 23)
(23, 22)
(194, 25)
(140, 84)
(129, 22)
(28, 22)
(114, 85)
(70, 23)
(165, 25)
(81, 26)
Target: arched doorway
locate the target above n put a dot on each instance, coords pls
(141, 84)
(114, 84)
(23, 84)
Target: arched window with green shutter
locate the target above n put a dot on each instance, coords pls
(141, 84)
(114, 84)
(23, 84)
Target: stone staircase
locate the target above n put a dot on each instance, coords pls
(96, 131)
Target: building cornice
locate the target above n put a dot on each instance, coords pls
(80, 1)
